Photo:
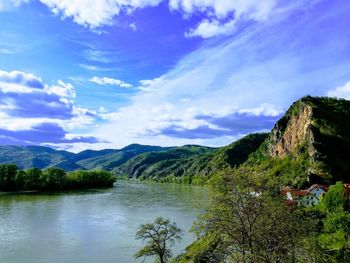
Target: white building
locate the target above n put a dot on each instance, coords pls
(308, 197)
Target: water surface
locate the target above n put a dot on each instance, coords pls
(91, 226)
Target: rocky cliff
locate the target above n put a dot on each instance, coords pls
(315, 134)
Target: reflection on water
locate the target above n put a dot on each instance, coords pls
(93, 225)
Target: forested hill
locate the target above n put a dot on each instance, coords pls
(191, 162)
(26, 157)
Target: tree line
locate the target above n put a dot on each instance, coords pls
(14, 179)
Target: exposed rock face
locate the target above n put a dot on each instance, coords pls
(292, 131)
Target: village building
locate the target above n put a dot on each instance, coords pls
(308, 197)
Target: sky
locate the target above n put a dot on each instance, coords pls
(95, 74)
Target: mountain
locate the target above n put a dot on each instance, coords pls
(44, 157)
(191, 161)
(111, 160)
(34, 156)
(309, 144)
(160, 164)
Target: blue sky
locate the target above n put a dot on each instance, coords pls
(103, 74)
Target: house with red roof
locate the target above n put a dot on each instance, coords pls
(308, 197)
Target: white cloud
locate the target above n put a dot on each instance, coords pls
(62, 89)
(110, 81)
(95, 13)
(222, 15)
(341, 92)
(208, 29)
(96, 68)
(252, 9)
(29, 108)
(133, 26)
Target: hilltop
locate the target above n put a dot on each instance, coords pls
(309, 144)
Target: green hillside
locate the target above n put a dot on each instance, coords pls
(191, 161)
(159, 164)
(26, 157)
(112, 159)
(33, 156)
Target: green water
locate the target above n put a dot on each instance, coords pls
(91, 226)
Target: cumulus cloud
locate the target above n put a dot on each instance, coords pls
(110, 81)
(33, 112)
(95, 13)
(341, 92)
(42, 134)
(208, 29)
(221, 16)
(235, 123)
(258, 10)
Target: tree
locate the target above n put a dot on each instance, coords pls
(335, 237)
(53, 179)
(334, 199)
(250, 224)
(159, 236)
(8, 174)
(32, 179)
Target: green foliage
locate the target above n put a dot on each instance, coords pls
(205, 249)
(191, 164)
(89, 179)
(32, 179)
(333, 239)
(8, 178)
(12, 179)
(334, 199)
(53, 179)
(159, 236)
(247, 222)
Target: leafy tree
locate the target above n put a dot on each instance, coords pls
(250, 224)
(159, 236)
(335, 198)
(334, 239)
(32, 179)
(53, 179)
(8, 174)
(12, 179)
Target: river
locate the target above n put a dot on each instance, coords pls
(92, 225)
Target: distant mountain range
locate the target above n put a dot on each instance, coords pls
(310, 143)
(44, 157)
